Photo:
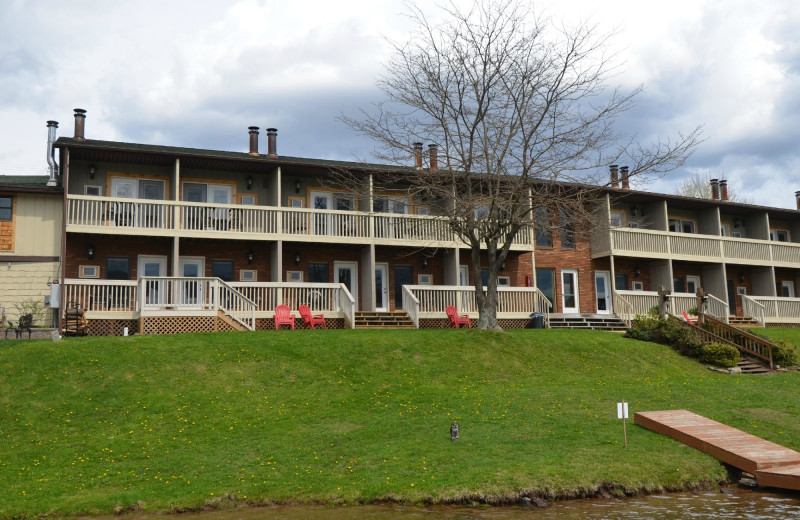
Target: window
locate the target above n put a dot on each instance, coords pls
(621, 282)
(390, 204)
(118, 268)
(484, 277)
(544, 237)
(617, 218)
(545, 282)
(89, 271)
(786, 289)
(296, 202)
(248, 275)
(294, 276)
(741, 290)
(318, 273)
(222, 269)
(95, 191)
(633, 225)
(248, 199)
(425, 279)
(567, 230)
(681, 226)
(331, 200)
(779, 235)
(677, 284)
(503, 281)
(638, 286)
(6, 208)
(736, 234)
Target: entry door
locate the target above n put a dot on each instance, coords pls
(347, 273)
(602, 287)
(569, 291)
(123, 213)
(463, 275)
(381, 287)
(151, 213)
(402, 276)
(692, 284)
(154, 289)
(731, 298)
(221, 194)
(191, 292)
(787, 289)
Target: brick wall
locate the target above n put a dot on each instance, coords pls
(579, 258)
(627, 266)
(785, 275)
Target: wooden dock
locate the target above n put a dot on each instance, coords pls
(773, 465)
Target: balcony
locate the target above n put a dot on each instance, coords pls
(645, 243)
(114, 216)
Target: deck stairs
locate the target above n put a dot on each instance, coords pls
(743, 321)
(587, 321)
(755, 349)
(230, 321)
(751, 366)
(383, 320)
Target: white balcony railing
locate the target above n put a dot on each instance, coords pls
(131, 216)
(647, 242)
(627, 304)
(771, 309)
(431, 301)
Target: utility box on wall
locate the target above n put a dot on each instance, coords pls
(55, 294)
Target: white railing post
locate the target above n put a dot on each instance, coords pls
(411, 305)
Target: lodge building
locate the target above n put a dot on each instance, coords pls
(165, 239)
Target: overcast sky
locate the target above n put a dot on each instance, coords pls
(198, 73)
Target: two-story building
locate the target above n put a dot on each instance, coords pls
(170, 239)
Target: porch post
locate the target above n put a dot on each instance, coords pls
(451, 266)
(367, 276)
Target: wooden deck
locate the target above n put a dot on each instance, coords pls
(772, 464)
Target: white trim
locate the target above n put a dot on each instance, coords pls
(383, 267)
(353, 266)
(98, 191)
(425, 279)
(89, 271)
(638, 286)
(248, 275)
(606, 276)
(294, 276)
(788, 284)
(577, 307)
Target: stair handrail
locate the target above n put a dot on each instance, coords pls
(741, 339)
(411, 305)
(347, 304)
(718, 308)
(622, 304)
(542, 304)
(753, 309)
(236, 305)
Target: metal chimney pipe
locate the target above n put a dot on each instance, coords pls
(253, 140)
(80, 120)
(418, 155)
(715, 189)
(614, 170)
(797, 198)
(272, 142)
(626, 185)
(52, 126)
(433, 152)
(723, 188)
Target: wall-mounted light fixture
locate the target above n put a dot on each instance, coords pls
(297, 258)
(637, 271)
(424, 262)
(90, 252)
(297, 186)
(737, 223)
(92, 171)
(741, 277)
(665, 297)
(634, 211)
(249, 181)
(250, 256)
(503, 266)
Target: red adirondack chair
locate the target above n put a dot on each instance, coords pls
(283, 316)
(311, 320)
(688, 318)
(457, 319)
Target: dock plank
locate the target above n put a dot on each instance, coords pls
(774, 465)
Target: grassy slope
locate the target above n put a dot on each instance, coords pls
(89, 425)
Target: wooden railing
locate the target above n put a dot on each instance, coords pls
(716, 331)
(433, 300)
(623, 308)
(772, 309)
(102, 295)
(112, 215)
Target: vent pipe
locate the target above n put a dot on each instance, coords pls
(614, 170)
(418, 156)
(626, 185)
(80, 121)
(253, 140)
(272, 142)
(797, 198)
(723, 189)
(433, 152)
(52, 126)
(714, 189)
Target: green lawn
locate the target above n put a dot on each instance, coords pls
(163, 423)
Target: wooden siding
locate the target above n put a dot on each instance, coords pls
(36, 227)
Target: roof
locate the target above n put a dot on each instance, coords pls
(27, 183)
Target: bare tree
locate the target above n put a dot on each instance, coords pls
(522, 117)
(699, 186)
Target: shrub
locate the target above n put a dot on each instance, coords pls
(668, 331)
(720, 355)
(785, 355)
(34, 307)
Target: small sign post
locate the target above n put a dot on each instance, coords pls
(622, 413)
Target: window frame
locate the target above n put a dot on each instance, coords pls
(9, 208)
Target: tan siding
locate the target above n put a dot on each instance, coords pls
(22, 281)
(37, 225)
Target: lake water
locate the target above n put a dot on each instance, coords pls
(697, 506)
